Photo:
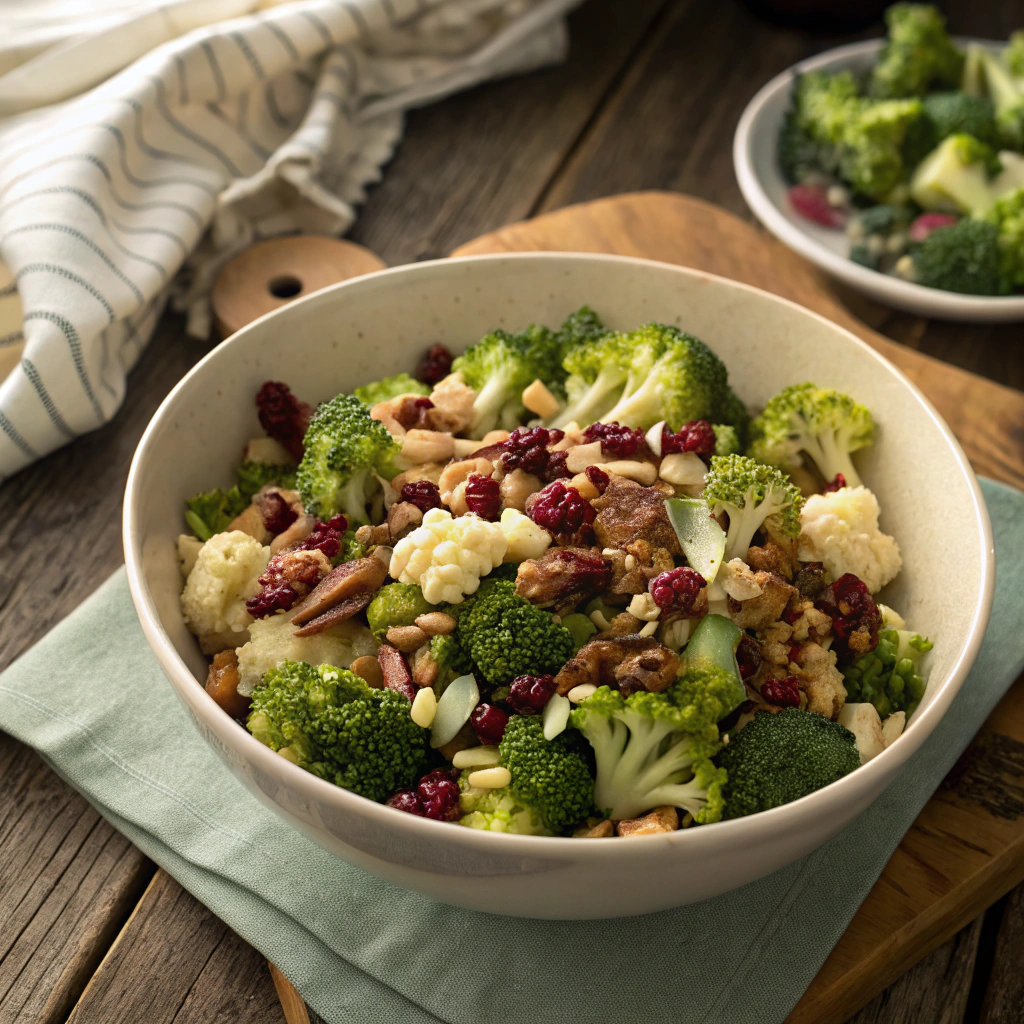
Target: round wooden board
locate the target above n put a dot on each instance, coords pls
(269, 274)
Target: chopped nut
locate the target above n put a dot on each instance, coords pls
(436, 623)
(368, 667)
(603, 829)
(582, 455)
(644, 607)
(463, 739)
(298, 531)
(626, 663)
(250, 521)
(427, 471)
(539, 400)
(222, 684)
(402, 516)
(420, 446)
(661, 819)
(371, 536)
(684, 469)
(642, 472)
(456, 500)
(407, 638)
(453, 404)
(516, 487)
(424, 708)
(425, 670)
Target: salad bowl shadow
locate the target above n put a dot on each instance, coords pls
(379, 324)
(765, 190)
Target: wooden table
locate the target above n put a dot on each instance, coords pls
(89, 929)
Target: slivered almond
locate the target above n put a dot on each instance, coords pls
(361, 576)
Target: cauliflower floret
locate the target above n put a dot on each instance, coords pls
(274, 641)
(525, 538)
(447, 556)
(221, 581)
(841, 529)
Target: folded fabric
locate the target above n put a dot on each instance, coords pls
(246, 117)
(91, 698)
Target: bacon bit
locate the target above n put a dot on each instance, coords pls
(397, 676)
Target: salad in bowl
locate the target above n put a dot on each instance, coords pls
(561, 585)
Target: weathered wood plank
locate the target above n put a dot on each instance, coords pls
(68, 881)
(1004, 995)
(174, 961)
(484, 157)
(935, 990)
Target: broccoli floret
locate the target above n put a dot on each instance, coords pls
(500, 366)
(497, 810)
(779, 757)
(550, 777)
(832, 130)
(212, 511)
(397, 604)
(390, 387)
(950, 113)
(330, 722)
(1013, 55)
(888, 676)
(506, 636)
(753, 495)
(727, 441)
(344, 451)
(580, 328)
(1007, 97)
(654, 373)
(822, 423)
(350, 548)
(962, 258)
(918, 54)
(1008, 216)
(648, 753)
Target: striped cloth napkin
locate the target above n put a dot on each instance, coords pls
(142, 139)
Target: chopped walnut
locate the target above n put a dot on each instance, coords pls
(661, 819)
(627, 512)
(626, 663)
(402, 517)
(222, 684)
(368, 668)
(250, 521)
(623, 624)
(562, 576)
(770, 558)
(759, 611)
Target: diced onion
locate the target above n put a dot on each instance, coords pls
(653, 437)
(555, 716)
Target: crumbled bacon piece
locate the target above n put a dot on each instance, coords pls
(283, 416)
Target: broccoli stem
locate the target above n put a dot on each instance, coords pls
(745, 522)
(829, 452)
(488, 404)
(594, 403)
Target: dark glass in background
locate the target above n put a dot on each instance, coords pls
(821, 15)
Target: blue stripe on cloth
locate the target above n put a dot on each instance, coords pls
(44, 397)
(19, 442)
(75, 345)
(68, 275)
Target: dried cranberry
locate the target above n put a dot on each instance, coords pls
(924, 225)
(783, 692)
(271, 599)
(526, 449)
(811, 201)
(556, 468)
(325, 537)
(483, 496)
(276, 513)
(528, 694)
(598, 477)
(748, 656)
(560, 509)
(488, 721)
(407, 800)
(424, 494)
(435, 365)
(439, 794)
(697, 436)
(677, 589)
(622, 442)
(840, 481)
(283, 416)
(856, 619)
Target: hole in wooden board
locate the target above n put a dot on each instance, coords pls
(285, 286)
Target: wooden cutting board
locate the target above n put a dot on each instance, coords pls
(966, 848)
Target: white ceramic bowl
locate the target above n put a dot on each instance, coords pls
(764, 189)
(379, 324)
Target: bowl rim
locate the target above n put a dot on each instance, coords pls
(776, 821)
(874, 282)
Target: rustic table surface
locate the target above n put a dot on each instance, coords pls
(92, 931)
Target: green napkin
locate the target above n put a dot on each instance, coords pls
(92, 700)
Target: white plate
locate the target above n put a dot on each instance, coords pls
(764, 188)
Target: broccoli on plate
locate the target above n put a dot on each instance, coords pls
(389, 387)
(345, 451)
(330, 722)
(822, 423)
(782, 756)
(753, 495)
(964, 258)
